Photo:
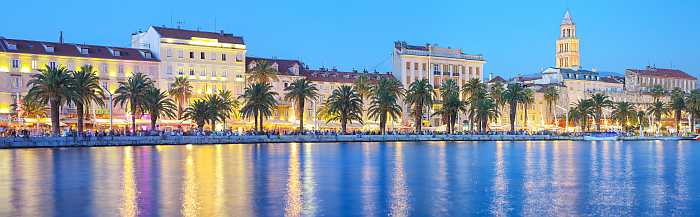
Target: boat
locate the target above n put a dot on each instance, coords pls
(606, 136)
(697, 138)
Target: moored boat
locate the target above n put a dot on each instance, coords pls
(605, 136)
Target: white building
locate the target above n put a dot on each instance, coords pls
(437, 64)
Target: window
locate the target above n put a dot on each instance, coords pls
(191, 55)
(239, 58)
(34, 64)
(15, 63)
(52, 64)
(436, 69)
(408, 66)
(169, 70)
(117, 53)
(180, 54)
(12, 46)
(224, 74)
(223, 57)
(147, 55)
(16, 82)
(103, 67)
(84, 51)
(49, 49)
(212, 56)
(203, 72)
(192, 71)
(201, 55)
(424, 67)
(120, 69)
(180, 71)
(213, 73)
(169, 52)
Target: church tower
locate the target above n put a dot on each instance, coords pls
(567, 45)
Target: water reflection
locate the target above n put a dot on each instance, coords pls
(395, 179)
(399, 191)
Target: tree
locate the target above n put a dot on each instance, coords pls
(451, 104)
(678, 104)
(298, 92)
(133, 92)
(513, 95)
(482, 108)
(470, 88)
(420, 96)
(657, 91)
(623, 112)
(199, 112)
(496, 93)
(262, 72)
(528, 99)
(580, 111)
(385, 96)
(693, 107)
(598, 102)
(181, 90)
(86, 89)
(52, 86)
(344, 105)
(259, 102)
(31, 109)
(363, 86)
(656, 110)
(230, 106)
(551, 95)
(217, 109)
(158, 104)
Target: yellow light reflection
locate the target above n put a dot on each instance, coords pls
(129, 206)
(294, 203)
(309, 183)
(399, 190)
(190, 205)
(500, 203)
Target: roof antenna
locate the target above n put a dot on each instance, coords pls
(60, 37)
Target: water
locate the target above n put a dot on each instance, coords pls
(360, 179)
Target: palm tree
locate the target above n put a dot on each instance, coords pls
(133, 92)
(551, 95)
(344, 105)
(52, 86)
(482, 108)
(598, 102)
(181, 90)
(262, 72)
(473, 86)
(514, 94)
(363, 86)
(656, 110)
(623, 112)
(298, 92)
(496, 93)
(199, 112)
(693, 107)
(580, 111)
(86, 89)
(158, 104)
(420, 96)
(657, 91)
(31, 109)
(528, 99)
(230, 106)
(677, 104)
(259, 103)
(217, 109)
(451, 104)
(385, 96)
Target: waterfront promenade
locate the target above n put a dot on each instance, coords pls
(36, 142)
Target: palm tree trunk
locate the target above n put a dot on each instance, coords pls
(262, 126)
(419, 116)
(513, 110)
(154, 119)
(133, 122)
(525, 116)
(343, 125)
(382, 123)
(55, 128)
(301, 115)
(79, 108)
(256, 121)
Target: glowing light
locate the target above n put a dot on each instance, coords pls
(4, 69)
(25, 70)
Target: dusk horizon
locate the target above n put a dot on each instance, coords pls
(516, 38)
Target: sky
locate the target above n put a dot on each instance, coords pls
(515, 37)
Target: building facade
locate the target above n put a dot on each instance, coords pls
(20, 59)
(567, 55)
(644, 79)
(211, 61)
(437, 64)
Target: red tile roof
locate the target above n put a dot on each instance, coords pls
(324, 75)
(73, 50)
(188, 34)
(497, 78)
(662, 73)
(283, 66)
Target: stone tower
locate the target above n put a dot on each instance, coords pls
(568, 55)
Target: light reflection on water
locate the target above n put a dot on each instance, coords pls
(363, 179)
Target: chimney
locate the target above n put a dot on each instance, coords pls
(60, 37)
(490, 75)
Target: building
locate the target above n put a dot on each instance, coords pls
(20, 59)
(567, 55)
(643, 79)
(284, 115)
(212, 61)
(437, 64)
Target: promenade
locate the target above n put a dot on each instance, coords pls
(55, 142)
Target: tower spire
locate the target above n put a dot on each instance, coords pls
(567, 20)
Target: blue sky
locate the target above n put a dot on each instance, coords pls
(516, 37)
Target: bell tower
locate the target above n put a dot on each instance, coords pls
(567, 45)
